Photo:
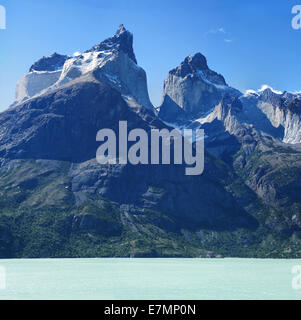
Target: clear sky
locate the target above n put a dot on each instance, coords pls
(250, 42)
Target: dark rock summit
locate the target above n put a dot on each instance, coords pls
(194, 88)
(121, 41)
(52, 63)
(192, 64)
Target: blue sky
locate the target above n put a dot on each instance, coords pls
(250, 42)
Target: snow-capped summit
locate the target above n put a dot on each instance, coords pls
(251, 92)
(264, 90)
(112, 61)
(266, 87)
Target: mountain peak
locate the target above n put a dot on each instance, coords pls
(121, 41)
(190, 65)
(121, 29)
(197, 61)
(269, 89)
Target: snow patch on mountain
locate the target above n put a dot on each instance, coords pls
(266, 87)
(263, 88)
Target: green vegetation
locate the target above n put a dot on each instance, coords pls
(39, 218)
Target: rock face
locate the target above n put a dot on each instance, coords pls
(281, 109)
(227, 130)
(193, 88)
(192, 92)
(42, 75)
(34, 83)
(112, 61)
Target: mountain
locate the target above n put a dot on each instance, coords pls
(281, 109)
(112, 61)
(258, 135)
(56, 200)
(192, 89)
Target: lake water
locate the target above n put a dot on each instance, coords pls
(149, 279)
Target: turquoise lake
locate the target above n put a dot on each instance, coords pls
(148, 279)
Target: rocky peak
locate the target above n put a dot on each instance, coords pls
(121, 29)
(51, 63)
(112, 61)
(121, 41)
(190, 65)
(194, 88)
(196, 66)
